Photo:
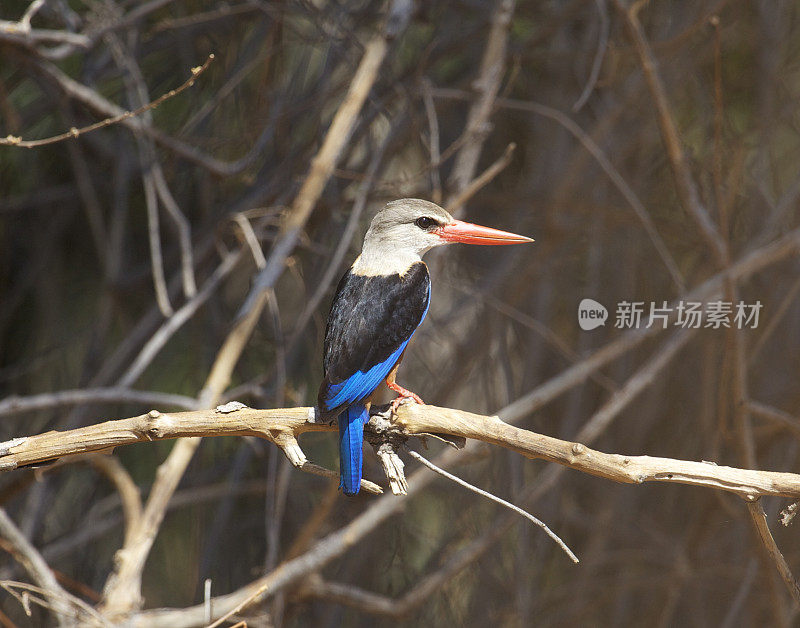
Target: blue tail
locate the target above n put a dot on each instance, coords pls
(351, 437)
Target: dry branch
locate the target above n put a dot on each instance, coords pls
(66, 608)
(12, 140)
(487, 85)
(495, 498)
(684, 183)
(771, 549)
(284, 425)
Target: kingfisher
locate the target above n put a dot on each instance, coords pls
(379, 304)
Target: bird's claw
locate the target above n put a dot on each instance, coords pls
(397, 402)
(403, 395)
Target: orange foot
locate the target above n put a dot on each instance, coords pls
(403, 395)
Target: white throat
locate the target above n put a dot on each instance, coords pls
(375, 260)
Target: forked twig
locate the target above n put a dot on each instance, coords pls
(82, 609)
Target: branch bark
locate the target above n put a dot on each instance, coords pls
(283, 426)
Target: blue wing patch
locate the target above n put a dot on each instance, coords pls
(361, 384)
(372, 320)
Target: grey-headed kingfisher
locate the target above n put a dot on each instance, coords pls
(379, 304)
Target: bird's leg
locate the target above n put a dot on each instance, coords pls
(403, 393)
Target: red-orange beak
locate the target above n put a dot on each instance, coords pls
(468, 233)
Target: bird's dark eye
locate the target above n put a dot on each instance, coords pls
(425, 223)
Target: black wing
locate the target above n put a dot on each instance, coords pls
(370, 318)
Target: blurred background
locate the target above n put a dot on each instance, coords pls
(126, 253)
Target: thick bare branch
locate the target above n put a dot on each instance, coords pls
(412, 420)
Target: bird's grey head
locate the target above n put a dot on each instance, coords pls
(400, 234)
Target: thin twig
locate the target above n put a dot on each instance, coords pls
(251, 240)
(496, 499)
(475, 185)
(433, 141)
(719, 113)
(775, 415)
(487, 83)
(183, 227)
(775, 319)
(154, 240)
(86, 615)
(39, 570)
(685, 185)
(14, 405)
(603, 161)
(207, 600)
(602, 42)
(315, 469)
(33, 8)
(12, 140)
(759, 518)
